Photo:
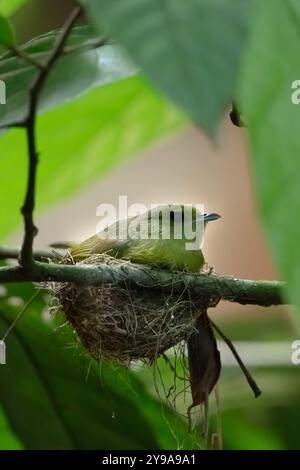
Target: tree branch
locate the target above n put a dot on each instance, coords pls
(242, 291)
(26, 256)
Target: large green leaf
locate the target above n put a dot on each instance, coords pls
(74, 73)
(190, 49)
(7, 37)
(55, 397)
(51, 403)
(8, 440)
(9, 7)
(81, 141)
(271, 65)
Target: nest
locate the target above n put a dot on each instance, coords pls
(125, 324)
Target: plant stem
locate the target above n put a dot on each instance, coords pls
(30, 230)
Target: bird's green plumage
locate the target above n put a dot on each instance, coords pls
(166, 248)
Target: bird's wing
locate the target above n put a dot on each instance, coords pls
(112, 241)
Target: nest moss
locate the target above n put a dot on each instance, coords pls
(125, 324)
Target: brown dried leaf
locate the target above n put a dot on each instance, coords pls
(204, 360)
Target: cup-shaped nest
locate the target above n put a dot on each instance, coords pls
(125, 324)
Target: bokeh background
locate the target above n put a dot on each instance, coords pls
(186, 166)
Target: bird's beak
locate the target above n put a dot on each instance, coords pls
(211, 216)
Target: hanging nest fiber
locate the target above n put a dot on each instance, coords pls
(125, 324)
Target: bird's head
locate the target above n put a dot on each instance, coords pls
(175, 220)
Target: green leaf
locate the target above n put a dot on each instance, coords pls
(9, 7)
(7, 37)
(243, 433)
(74, 74)
(80, 142)
(43, 383)
(8, 440)
(189, 49)
(271, 66)
(81, 405)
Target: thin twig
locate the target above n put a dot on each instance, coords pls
(173, 368)
(253, 385)
(88, 45)
(12, 125)
(20, 314)
(26, 256)
(218, 440)
(27, 58)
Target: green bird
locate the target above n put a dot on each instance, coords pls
(157, 237)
